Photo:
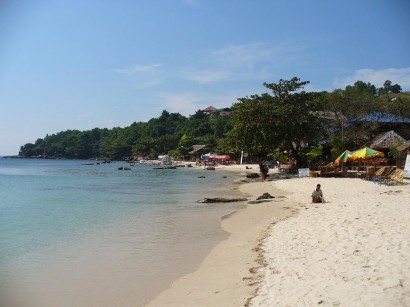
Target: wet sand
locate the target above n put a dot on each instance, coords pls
(228, 277)
(351, 251)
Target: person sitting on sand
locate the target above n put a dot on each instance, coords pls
(317, 195)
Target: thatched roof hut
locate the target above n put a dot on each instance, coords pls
(386, 140)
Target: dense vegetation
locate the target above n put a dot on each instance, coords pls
(169, 133)
(288, 120)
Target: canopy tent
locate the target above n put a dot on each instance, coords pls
(220, 157)
(215, 157)
(365, 153)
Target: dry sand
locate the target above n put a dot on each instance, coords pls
(353, 250)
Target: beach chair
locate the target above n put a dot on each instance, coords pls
(378, 173)
(397, 177)
(382, 173)
(387, 179)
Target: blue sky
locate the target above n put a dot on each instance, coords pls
(81, 64)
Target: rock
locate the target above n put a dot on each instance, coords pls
(210, 168)
(265, 196)
(220, 200)
(124, 168)
(252, 175)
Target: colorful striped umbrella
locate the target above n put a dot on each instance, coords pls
(343, 157)
(365, 153)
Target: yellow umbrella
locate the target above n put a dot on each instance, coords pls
(365, 153)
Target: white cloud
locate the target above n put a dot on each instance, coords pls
(250, 55)
(254, 61)
(152, 68)
(399, 76)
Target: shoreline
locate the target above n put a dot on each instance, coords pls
(228, 275)
(351, 250)
(113, 266)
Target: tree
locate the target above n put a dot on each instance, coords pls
(389, 88)
(285, 87)
(262, 123)
(363, 87)
(254, 130)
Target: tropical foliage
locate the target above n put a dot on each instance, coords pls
(286, 123)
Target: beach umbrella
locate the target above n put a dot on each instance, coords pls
(343, 157)
(365, 153)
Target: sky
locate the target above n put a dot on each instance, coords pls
(84, 64)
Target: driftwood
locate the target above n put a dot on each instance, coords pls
(220, 200)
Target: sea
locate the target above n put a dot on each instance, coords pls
(83, 233)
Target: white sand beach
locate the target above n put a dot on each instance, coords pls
(351, 251)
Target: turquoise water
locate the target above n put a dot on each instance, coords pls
(99, 234)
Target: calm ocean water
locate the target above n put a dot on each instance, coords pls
(91, 235)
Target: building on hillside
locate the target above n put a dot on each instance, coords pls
(224, 111)
(212, 110)
(209, 110)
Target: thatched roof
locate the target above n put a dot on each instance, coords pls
(386, 140)
(196, 149)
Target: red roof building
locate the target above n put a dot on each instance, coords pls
(209, 109)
